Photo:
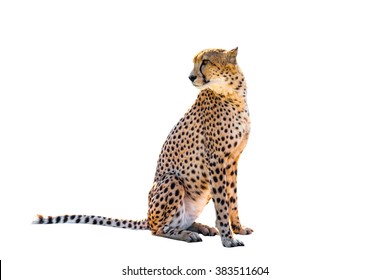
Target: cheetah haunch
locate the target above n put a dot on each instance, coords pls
(198, 161)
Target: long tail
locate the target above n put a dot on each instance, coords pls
(93, 220)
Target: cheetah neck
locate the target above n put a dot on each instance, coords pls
(234, 87)
(233, 97)
(235, 90)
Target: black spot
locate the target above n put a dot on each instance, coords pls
(171, 201)
(78, 220)
(220, 189)
(72, 217)
(50, 220)
(108, 222)
(215, 179)
(94, 222)
(58, 219)
(235, 227)
(86, 220)
(65, 218)
(177, 192)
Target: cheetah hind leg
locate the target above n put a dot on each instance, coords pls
(203, 229)
(166, 207)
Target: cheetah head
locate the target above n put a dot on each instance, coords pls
(214, 69)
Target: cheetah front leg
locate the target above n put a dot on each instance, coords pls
(218, 181)
(231, 175)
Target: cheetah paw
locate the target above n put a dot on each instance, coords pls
(208, 231)
(227, 242)
(242, 230)
(193, 237)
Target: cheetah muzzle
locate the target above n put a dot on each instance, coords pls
(198, 160)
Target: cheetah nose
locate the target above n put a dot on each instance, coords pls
(192, 78)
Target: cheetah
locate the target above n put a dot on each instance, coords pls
(198, 160)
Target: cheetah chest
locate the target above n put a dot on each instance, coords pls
(243, 129)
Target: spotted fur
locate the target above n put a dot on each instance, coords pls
(198, 161)
(93, 220)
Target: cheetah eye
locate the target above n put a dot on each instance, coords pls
(204, 63)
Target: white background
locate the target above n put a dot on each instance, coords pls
(90, 89)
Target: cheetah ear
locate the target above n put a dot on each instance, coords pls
(232, 54)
